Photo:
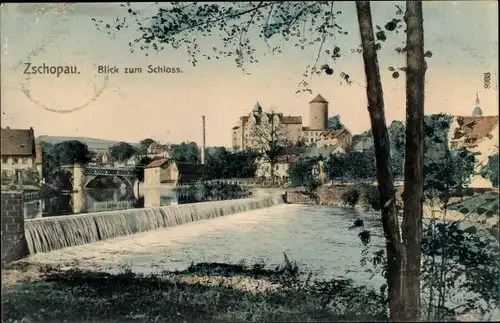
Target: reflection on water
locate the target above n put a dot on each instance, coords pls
(98, 199)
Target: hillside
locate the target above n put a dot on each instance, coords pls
(92, 143)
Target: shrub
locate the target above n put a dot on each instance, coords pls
(351, 197)
(371, 197)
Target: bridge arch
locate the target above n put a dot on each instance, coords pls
(84, 174)
(128, 181)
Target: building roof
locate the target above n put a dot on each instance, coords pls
(17, 142)
(158, 163)
(474, 127)
(244, 118)
(319, 99)
(477, 112)
(236, 127)
(290, 119)
(286, 159)
(190, 168)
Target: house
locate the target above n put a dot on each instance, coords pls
(478, 134)
(157, 150)
(21, 157)
(263, 171)
(167, 171)
(361, 143)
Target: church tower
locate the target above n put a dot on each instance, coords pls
(318, 113)
(477, 112)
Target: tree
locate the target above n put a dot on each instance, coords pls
(175, 24)
(186, 153)
(145, 143)
(395, 252)
(270, 139)
(397, 139)
(139, 168)
(71, 152)
(490, 170)
(301, 171)
(414, 158)
(122, 151)
(335, 123)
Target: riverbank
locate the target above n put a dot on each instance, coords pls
(201, 293)
(468, 209)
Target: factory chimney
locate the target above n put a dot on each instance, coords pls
(203, 144)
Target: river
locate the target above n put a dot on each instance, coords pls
(317, 237)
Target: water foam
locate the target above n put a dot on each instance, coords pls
(51, 233)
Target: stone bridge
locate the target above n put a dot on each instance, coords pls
(84, 174)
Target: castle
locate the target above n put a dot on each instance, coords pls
(316, 135)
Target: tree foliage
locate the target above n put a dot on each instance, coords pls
(301, 172)
(186, 152)
(335, 123)
(122, 151)
(490, 170)
(145, 143)
(222, 163)
(397, 137)
(69, 153)
(139, 168)
(351, 166)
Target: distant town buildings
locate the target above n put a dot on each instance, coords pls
(478, 134)
(245, 134)
(156, 150)
(167, 171)
(21, 157)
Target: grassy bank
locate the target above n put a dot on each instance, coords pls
(204, 292)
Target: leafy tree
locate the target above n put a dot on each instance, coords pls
(301, 171)
(71, 152)
(335, 123)
(221, 164)
(270, 140)
(336, 167)
(175, 25)
(186, 152)
(139, 168)
(145, 143)
(490, 170)
(122, 151)
(352, 165)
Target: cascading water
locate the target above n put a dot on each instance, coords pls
(51, 233)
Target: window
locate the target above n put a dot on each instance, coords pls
(14, 160)
(4, 160)
(25, 160)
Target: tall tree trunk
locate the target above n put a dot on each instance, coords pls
(385, 180)
(414, 156)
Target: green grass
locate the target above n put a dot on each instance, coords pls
(77, 295)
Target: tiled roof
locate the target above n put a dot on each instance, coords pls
(291, 119)
(474, 127)
(158, 163)
(17, 142)
(319, 99)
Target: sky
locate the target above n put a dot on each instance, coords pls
(462, 35)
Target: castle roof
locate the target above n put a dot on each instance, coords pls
(319, 99)
(291, 119)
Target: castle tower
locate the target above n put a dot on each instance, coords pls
(477, 112)
(318, 113)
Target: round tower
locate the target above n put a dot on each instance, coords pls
(477, 112)
(318, 113)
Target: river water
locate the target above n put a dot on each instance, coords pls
(317, 237)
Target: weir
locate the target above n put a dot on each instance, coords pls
(51, 233)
